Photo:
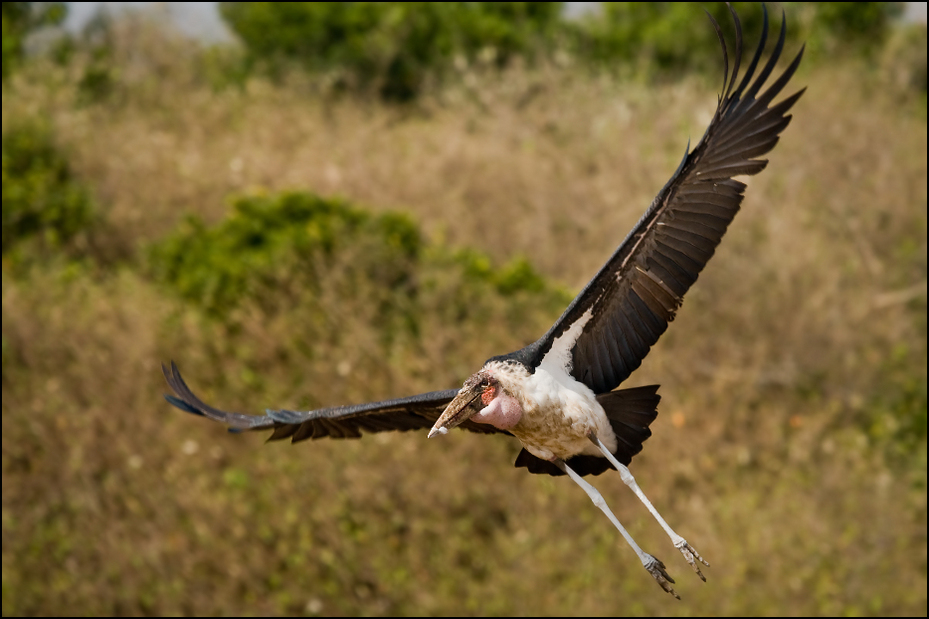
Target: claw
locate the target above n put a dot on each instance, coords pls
(689, 555)
(657, 569)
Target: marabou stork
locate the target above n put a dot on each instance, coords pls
(557, 395)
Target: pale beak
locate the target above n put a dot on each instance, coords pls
(458, 410)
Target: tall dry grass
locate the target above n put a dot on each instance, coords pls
(780, 452)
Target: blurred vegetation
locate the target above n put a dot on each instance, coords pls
(397, 48)
(41, 197)
(903, 59)
(392, 47)
(863, 27)
(664, 36)
(401, 50)
(790, 447)
(275, 251)
(274, 243)
(21, 18)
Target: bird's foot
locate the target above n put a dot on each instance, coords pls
(690, 554)
(657, 569)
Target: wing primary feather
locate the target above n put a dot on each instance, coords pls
(722, 43)
(772, 61)
(778, 85)
(738, 50)
(758, 51)
(191, 401)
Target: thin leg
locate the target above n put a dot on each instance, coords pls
(655, 567)
(679, 542)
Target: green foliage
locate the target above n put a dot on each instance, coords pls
(666, 36)
(517, 276)
(19, 19)
(272, 244)
(281, 252)
(396, 47)
(392, 47)
(859, 26)
(895, 417)
(41, 197)
(662, 35)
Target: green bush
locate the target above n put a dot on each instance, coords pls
(666, 36)
(397, 47)
(41, 197)
(862, 27)
(894, 417)
(270, 244)
(298, 252)
(392, 47)
(650, 35)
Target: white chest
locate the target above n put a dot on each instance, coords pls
(558, 415)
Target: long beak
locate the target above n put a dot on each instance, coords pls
(458, 411)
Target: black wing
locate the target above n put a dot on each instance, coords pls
(608, 329)
(414, 413)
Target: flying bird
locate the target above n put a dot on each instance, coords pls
(558, 395)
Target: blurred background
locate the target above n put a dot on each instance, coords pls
(311, 204)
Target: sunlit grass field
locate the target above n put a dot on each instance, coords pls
(790, 447)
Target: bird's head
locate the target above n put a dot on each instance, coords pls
(477, 392)
(486, 397)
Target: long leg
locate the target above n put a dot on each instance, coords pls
(679, 542)
(655, 567)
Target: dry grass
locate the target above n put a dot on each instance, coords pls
(777, 452)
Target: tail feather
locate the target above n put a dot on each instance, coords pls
(630, 412)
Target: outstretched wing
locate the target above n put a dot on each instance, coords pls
(414, 413)
(608, 329)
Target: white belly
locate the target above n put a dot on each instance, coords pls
(558, 415)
